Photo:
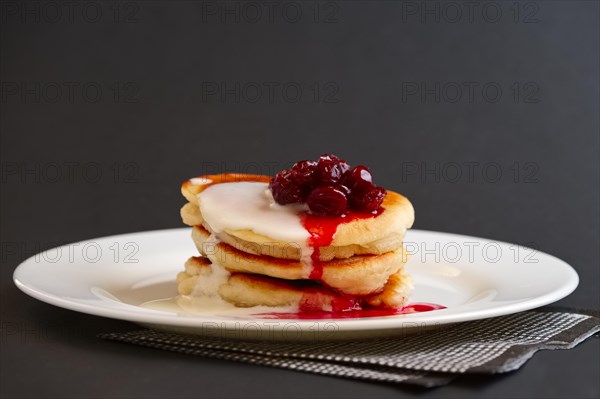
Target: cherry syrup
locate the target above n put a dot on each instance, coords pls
(322, 229)
(418, 307)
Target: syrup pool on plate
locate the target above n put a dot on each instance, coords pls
(201, 306)
(417, 307)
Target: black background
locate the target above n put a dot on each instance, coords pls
(108, 157)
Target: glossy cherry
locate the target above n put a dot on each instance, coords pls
(303, 174)
(329, 186)
(330, 169)
(284, 188)
(358, 179)
(327, 200)
(368, 200)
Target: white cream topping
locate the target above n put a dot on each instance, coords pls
(187, 305)
(210, 280)
(205, 298)
(249, 206)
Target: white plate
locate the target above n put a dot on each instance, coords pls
(474, 278)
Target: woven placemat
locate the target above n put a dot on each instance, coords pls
(433, 358)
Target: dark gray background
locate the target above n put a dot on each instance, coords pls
(154, 124)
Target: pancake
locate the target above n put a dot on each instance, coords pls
(243, 265)
(358, 234)
(356, 275)
(247, 290)
(191, 216)
(194, 267)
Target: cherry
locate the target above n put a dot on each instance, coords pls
(343, 189)
(358, 179)
(327, 200)
(368, 200)
(330, 169)
(328, 185)
(284, 188)
(306, 166)
(303, 173)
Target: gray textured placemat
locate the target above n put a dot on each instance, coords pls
(434, 358)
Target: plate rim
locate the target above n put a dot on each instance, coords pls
(439, 317)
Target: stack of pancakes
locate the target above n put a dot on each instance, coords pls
(364, 262)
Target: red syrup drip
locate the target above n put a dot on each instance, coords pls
(355, 313)
(322, 229)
